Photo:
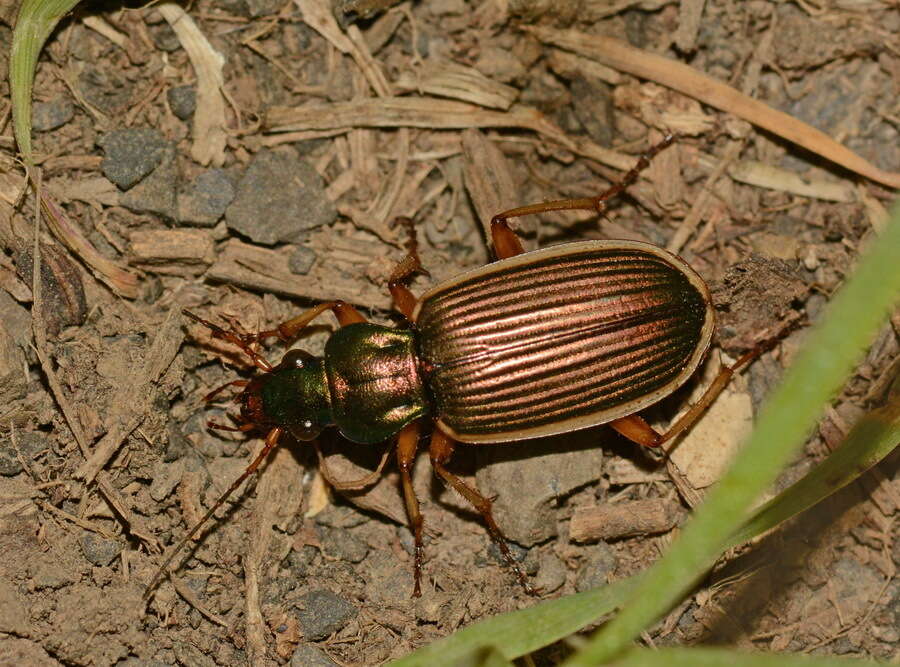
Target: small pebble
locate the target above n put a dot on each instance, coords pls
(322, 613)
(279, 198)
(131, 154)
(51, 115)
(182, 100)
(204, 202)
(98, 550)
(311, 656)
(302, 260)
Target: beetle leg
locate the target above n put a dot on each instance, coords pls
(218, 332)
(287, 331)
(271, 442)
(636, 429)
(441, 449)
(404, 299)
(506, 243)
(407, 442)
(215, 392)
(712, 392)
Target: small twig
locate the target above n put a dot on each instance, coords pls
(39, 328)
(87, 525)
(191, 598)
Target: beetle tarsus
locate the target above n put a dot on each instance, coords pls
(404, 299)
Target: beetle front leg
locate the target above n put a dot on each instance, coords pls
(440, 450)
(407, 443)
(287, 331)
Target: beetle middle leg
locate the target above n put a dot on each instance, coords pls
(506, 242)
(407, 443)
(440, 450)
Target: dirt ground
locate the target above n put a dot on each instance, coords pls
(249, 197)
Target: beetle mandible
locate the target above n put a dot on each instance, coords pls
(534, 344)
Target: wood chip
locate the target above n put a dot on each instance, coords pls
(457, 82)
(176, 251)
(782, 180)
(425, 112)
(625, 519)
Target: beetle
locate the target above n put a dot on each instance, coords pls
(534, 344)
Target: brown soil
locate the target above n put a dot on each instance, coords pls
(106, 459)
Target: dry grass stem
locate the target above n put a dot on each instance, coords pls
(209, 130)
(685, 79)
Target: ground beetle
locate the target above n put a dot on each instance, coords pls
(534, 344)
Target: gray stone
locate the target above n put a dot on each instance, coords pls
(323, 613)
(343, 544)
(30, 444)
(156, 192)
(206, 199)
(131, 155)
(98, 550)
(600, 563)
(307, 655)
(182, 101)
(551, 573)
(47, 116)
(302, 260)
(279, 198)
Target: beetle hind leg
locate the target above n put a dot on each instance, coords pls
(637, 430)
(440, 450)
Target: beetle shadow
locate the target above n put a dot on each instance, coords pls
(529, 479)
(792, 558)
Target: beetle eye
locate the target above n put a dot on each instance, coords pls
(306, 430)
(296, 359)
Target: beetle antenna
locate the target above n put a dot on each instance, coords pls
(271, 441)
(215, 392)
(218, 332)
(243, 428)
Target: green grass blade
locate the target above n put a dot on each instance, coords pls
(715, 657)
(872, 438)
(521, 632)
(36, 20)
(831, 350)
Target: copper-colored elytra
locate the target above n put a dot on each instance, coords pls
(572, 337)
